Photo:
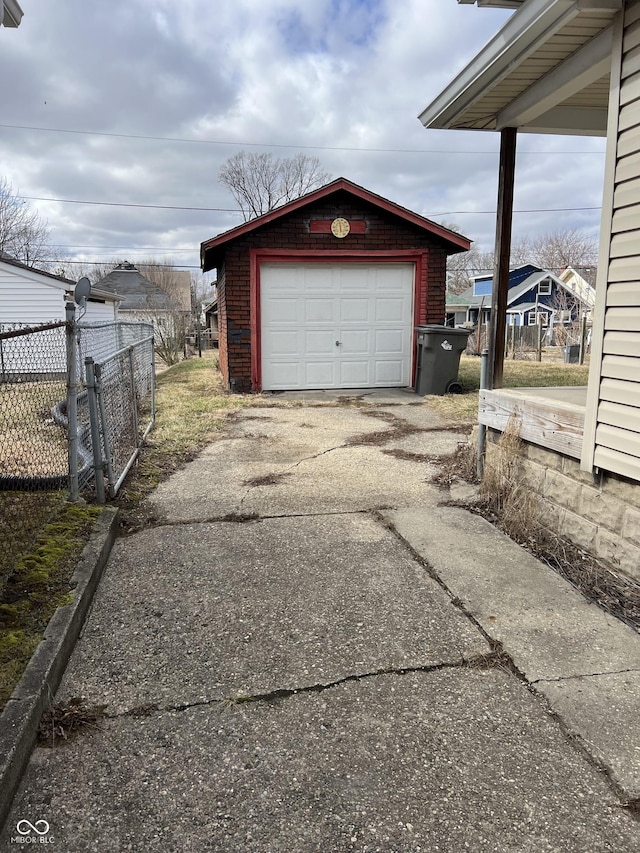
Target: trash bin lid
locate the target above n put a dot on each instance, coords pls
(434, 328)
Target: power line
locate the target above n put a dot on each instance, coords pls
(124, 204)
(269, 144)
(237, 210)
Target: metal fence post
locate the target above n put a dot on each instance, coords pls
(134, 404)
(153, 381)
(72, 401)
(96, 444)
(105, 432)
(482, 430)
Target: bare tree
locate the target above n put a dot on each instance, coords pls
(262, 182)
(553, 251)
(557, 250)
(23, 234)
(462, 266)
(172, 319)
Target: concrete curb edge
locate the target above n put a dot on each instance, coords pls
(21, 716)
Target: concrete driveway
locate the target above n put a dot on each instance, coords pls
(305, 650)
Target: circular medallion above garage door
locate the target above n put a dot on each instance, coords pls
(332, 325)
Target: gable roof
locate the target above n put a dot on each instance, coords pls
(546, 71)
(138, 293)
(65, 285)
(521, 280)
(210, 249)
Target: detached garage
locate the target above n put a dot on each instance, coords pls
(326, 291)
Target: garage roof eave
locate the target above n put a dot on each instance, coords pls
(211, 250)
(530, 27)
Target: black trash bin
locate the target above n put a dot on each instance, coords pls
(572, 354)
(438, 363)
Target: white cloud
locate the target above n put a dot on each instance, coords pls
(334, 75)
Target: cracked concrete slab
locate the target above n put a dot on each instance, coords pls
(556, 638)
(443, 761)
(309, 447)
(193, 613)
(603, 710)
(545, 624)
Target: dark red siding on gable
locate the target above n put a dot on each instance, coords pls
(385, 234)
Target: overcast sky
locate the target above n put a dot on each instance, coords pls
(139, 102)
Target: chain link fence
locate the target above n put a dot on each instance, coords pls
(121, 400)
(46, 423)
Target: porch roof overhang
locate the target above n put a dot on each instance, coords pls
(546, 71)
(11, 13)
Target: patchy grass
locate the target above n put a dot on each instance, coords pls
(38, 584)
(191, 408)
(517, 374)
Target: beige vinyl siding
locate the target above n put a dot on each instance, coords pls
(614, 390)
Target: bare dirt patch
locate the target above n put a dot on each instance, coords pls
(273, 479)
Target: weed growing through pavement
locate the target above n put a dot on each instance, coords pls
(66, 719)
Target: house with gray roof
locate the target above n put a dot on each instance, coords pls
(138, 294)
(143, 301)
(535, 295)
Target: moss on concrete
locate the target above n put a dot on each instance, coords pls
(37, 586)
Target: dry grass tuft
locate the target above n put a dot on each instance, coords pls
(62, 721)
(459, 465)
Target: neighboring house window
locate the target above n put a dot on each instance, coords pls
(563, 316)
(541, 316)
(544, 288)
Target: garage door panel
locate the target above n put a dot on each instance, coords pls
(390, 310)
(320, 374)
(319, 310)
(307, 307)
(320, 342)
(390, 342)
(282, 310)
(284, 343)
(284, 374)
(314, 278)
(390, 372)
(355, 310)
(355, 374)
(355, 342)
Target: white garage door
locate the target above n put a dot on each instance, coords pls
(336, 325)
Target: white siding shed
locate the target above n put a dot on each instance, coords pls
(32, 297)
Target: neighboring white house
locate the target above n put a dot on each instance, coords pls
(580, 287)
(30, 297)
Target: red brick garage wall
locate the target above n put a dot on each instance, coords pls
(292, 233)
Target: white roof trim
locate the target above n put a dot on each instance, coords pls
(533, 24)
(11, 13)
(583, 67)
